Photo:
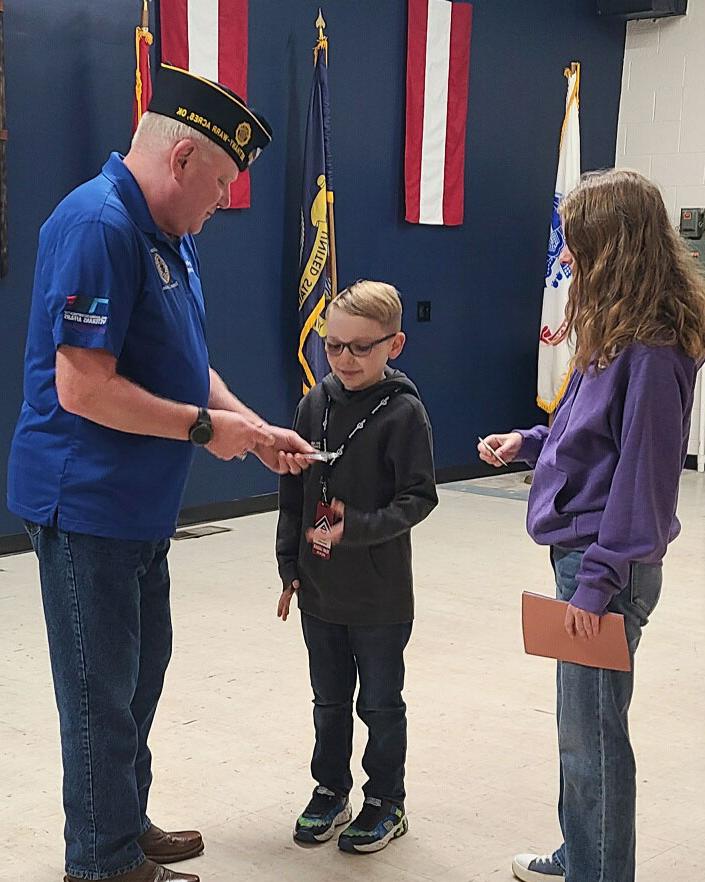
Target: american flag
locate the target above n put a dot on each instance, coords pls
(209, 38)
(437, 83)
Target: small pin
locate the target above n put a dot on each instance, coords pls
(322, 456)
(492, 451)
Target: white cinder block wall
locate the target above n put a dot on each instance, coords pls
(661, 128)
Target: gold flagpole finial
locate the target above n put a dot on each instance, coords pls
(322, 39)
(145, 14)
(320, 24)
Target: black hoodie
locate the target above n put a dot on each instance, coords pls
(386, 480)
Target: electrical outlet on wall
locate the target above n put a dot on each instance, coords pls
(423, 310)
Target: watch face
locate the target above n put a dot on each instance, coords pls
(201, 433)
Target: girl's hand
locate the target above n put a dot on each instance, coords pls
(581, 622)
(507, 446)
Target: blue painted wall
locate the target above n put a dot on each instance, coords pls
(69, 67)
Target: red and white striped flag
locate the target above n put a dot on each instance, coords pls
(437, 81)
(209, 38)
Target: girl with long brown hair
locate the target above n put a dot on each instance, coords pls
(605, 490)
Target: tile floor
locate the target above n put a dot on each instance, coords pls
(233, 733)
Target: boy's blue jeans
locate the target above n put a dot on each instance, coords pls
(597, 803)
(106, 605)
(338, 654)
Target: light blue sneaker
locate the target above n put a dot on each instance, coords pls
(325, 811)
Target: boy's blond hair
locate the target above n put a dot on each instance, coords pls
(372, 300)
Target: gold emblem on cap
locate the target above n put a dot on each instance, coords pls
(243, 133)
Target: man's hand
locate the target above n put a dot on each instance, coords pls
(285, 455)
(234, 435)
(285, 600)
(507, 446)
(336, 533)
(581, 622)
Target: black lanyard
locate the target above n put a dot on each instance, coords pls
(327, 466)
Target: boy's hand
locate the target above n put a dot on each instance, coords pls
(285, 600)
(336, 534)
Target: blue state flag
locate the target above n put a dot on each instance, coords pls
(315, 271)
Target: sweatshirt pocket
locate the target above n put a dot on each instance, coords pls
(545, 516)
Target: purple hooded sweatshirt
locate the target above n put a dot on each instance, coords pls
(606, 474)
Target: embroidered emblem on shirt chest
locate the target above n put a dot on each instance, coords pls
(162, 267)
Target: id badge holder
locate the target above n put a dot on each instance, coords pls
(322, 526)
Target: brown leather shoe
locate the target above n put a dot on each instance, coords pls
(168, 848)
(147, 872)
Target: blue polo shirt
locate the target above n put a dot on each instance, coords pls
(107, 278)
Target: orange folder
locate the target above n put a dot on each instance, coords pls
(543, 620)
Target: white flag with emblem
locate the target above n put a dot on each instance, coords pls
(554, 356)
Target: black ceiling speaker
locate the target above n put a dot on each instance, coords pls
(642, 8)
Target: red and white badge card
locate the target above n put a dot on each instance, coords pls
(324, 522)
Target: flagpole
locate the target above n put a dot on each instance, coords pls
(322, 44)
(142, 34)
(333, 257)
(573, 70)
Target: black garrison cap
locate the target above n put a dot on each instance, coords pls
(212, 109)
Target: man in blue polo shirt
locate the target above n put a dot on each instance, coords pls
(118, 392)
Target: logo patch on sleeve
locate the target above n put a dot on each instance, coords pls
(83, 310)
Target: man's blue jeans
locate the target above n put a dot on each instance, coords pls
(337, 655)
(106, 605)
(597, 804)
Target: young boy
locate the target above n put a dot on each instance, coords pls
(344, 545)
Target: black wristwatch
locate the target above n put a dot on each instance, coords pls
(201, 432)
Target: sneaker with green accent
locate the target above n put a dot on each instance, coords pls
(325, 811)
(373, 829)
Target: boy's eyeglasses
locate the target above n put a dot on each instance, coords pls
(358, 350)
